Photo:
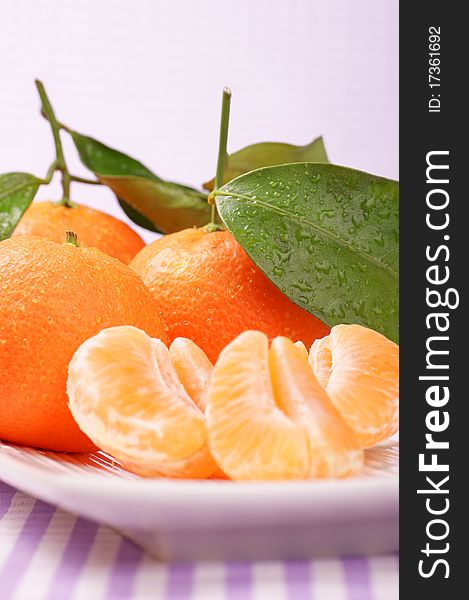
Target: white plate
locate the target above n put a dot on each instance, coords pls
(186, 520)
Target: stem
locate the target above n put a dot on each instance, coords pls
(71, 238)
(85, 180)
(59, 123)
(60, 163)
(224, 122)
(50, 172)
(50, 116)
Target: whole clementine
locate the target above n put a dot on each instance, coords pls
(209, 290)
(53, 298)
(93, 227)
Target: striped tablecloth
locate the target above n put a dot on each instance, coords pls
(47, 553)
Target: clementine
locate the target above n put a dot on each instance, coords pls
(93, 227)
(209, 290)
(53, 297)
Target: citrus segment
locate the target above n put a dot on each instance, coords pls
(193, 369)
(268, 417)
(195, 372)
(302, 347)
(320, 358)
(334, 452)
(359, 369)
(249, 435)
(125, 394)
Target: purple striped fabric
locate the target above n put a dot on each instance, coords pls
(24, 548)
(298, 576)
(238, 581)
(357, 578)
(6, 496)
(79, 544)
(180, 580)
(125, 572)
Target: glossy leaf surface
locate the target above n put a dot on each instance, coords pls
(17, 191)
(267, 154)
(327, 236)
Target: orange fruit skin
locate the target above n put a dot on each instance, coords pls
(53, 297)
(93, 227)
(209, 290)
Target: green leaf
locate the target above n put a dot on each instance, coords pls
(99, 158)
(267, 154)
(149, 201)
(17, 191)
(326, 236)
(169, 206)
(137, 217)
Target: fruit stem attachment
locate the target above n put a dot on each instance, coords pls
(71, 238)
(224, 123)
(60, 164)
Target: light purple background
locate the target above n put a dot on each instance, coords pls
(146, 76)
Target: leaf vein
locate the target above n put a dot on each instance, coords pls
(17, 188)
(313, 225)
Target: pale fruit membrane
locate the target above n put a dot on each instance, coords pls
(260, 430)
(126, 396)
(359, 369)
(334, 451)
(193, 368)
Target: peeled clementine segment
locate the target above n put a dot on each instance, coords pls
(320, 358)
(250, 437)
(359, 369)
(193, 369)
(334, 452)
(299, 344)
(125, 394)
(264, 409)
